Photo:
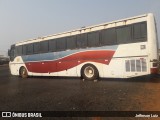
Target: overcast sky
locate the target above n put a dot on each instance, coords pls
(25, 19)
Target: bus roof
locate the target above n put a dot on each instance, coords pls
(84, 28)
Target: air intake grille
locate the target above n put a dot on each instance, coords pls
(136, 65)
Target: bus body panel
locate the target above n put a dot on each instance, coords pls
(114, 67)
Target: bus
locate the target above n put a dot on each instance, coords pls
(119, 49)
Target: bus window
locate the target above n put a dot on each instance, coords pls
(144, 30)
(124, 34)
(93, 39)
(109, 37)
(140, 31)
(52, 45)
(29, 49)
(36, 47)
(44, 46)
(71, 42)
(24, 49)
(61, 44)
(82, 40)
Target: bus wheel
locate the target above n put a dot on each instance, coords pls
(89, 72)
(23, 72)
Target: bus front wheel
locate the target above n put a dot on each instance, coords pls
(89, 72)
(23, 72)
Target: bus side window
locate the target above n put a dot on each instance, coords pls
(82, 40)
(144, 30)
(44, 46)
(93, 39)
(108, 37)
(52, 45)
(71, 42)
(61, 44)
(24, 49)
(29, 49)
(124, 34)
(140, 31)
(36, 47)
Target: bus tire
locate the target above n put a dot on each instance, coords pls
(23, 72)
(89, 72)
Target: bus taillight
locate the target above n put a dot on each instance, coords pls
(154, 70)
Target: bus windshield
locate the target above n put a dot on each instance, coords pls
(11, 53)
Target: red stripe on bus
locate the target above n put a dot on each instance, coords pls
(102, 56)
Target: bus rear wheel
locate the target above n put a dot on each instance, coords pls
(89, 72)
(23, 72)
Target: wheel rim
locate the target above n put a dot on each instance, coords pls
(23, 72)
(89, 72)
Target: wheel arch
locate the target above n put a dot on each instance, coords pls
(98, 66)
(23, 66)
(87, 64)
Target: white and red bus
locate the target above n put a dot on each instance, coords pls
(119, 49)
